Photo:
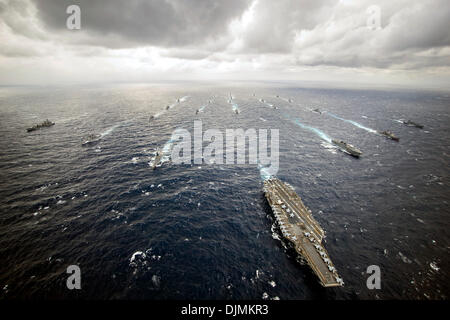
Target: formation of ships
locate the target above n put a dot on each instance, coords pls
(293, 218)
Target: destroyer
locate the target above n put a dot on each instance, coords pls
(157, 161)
(389, 135)
(91, 139)
(44, 124)
(346, 147)
(410, 123)
(301, 230)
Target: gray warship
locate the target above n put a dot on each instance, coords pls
(301, 230)
(347, 147)
(410, 123)
(45, 124)
(91, 139)
(157, 160)
(389, 134)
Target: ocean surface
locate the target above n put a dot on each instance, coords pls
(205, 231)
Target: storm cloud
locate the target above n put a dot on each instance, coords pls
(263, 38)
(146, 22)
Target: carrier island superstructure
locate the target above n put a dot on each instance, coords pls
(299, 227)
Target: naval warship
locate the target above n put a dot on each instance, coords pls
(301, 230)
(389, 135)
(157, 161)
(317, 110)
(44, 124)
(410, 123)
(91, 139)
(347, 147)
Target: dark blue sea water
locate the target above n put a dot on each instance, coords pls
(206, 231)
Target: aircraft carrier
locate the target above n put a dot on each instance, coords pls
(299, 227)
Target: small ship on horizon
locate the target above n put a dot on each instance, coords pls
(410, 123)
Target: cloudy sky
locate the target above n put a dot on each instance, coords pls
(330, 41)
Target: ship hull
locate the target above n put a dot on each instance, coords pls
(300, 228)
(348, 149)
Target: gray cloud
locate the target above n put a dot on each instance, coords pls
(408, 31)
(420, 26)
(274, 23)
(240, 36)
(17, 16)
(166, 23)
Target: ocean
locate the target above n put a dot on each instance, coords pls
(205, 231)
